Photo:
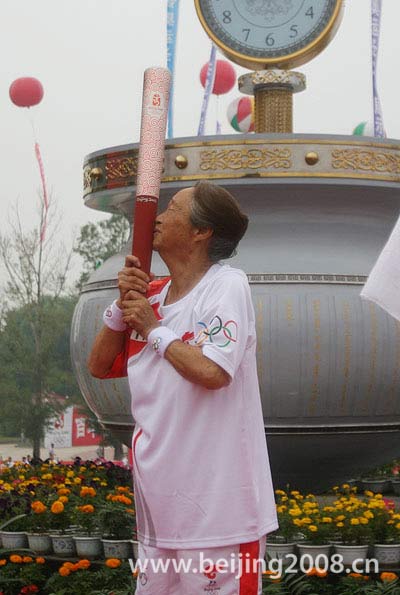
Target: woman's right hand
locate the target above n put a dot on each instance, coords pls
(132, 277)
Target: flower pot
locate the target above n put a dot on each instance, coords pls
(311, 555)
(387, 554)
(279, 551)
(89, 547)
(135, 549)
(117, 548)
(13, 540)
(350, 553)
(395, 486)
(377, 486)
(40, 543)
(63, 545)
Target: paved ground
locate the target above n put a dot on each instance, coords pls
(65, 454)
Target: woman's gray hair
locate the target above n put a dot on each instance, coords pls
(214, 208)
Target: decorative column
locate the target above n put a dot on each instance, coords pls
(273, 91)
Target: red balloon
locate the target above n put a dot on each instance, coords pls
(225, 77)
(26, 92)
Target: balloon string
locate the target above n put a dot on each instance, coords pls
(218, 129)
(211, 70)
(44, 188)
(42, 177)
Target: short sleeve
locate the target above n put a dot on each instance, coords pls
(224, 320)
(119, 369)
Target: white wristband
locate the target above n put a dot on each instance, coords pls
(160, 338)
(112, 318)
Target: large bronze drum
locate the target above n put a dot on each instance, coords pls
(321, 209)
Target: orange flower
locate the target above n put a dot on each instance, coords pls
(122, 489)
(83, 564)
(15, 559)
(69, 565)
(86, 508)
(113, 562)
(3, 562)
(57, 507)
(38, 507)
(40, 560)
(27, 559)
(121, 498)
(63, 571)
(63, 491)
(387, 577)
(63, 499)
(87, 491)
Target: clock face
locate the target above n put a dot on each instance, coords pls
(261, 33)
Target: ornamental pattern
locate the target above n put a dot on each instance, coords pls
(269, 8)
(375, 161)
(121, 167)
(245, 159)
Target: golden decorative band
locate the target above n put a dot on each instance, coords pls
(377, 161)
(245, 159)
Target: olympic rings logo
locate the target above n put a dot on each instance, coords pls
(221, 334)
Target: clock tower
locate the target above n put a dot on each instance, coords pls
(269, 37)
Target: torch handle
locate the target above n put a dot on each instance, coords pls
(156, 90)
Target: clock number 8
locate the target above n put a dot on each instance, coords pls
(227, 16)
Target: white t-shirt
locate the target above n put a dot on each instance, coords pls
(202, 475)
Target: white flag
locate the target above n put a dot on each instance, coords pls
(383, 284)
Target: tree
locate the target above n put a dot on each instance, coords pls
(36, 268)
(99, 241)
(21, 412)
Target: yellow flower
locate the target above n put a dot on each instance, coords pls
(313, 528)
(369, 494)
(368, 514)
(280, 492)
(70, 473)
(295, 512)
(339, 525)
(77, 480)
(354, 521)
(363, 520)
(326, 519)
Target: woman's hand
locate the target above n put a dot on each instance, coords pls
(132, 278)
(138, 314)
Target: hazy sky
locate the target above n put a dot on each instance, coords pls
(90, 56)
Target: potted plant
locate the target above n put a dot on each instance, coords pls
(317, 527)
(385, 529)
(116, 517)
(87, 538)
(14, 507)
(281, 543)
(60, 532)
(377, 480)
(38, 525)
(352, 518)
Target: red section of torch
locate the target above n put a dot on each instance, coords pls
(156, 89)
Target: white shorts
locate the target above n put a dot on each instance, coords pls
(228, 570)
